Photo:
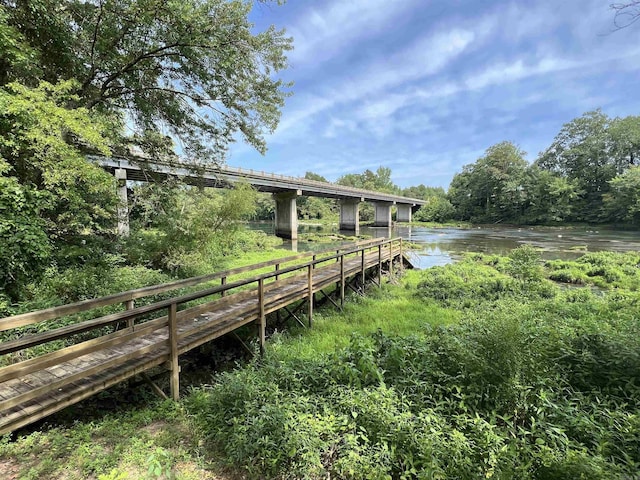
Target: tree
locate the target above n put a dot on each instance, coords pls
(549, 197)
(437, 209)
(76, 72)
(491, 189)
(190, 68)
(423, 192)
(582, 152)
(623, 201)
(71, 200)
(314, 207)
(625, 140)
(316, 177)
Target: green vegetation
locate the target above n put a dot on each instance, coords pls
(518, 379)
(155, 442)
(481, 369)
(74, 77)
(588, 174)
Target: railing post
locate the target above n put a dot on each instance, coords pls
(342, 279)
(173, 351)
(223, 281)
(314, 261)
(129, 305)
(277, 278)
(310, 298)
(401, 257)
(380, 265)
(390, 257)
(262, 325)
(362, 268)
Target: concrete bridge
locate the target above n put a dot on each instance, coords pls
(285, 190)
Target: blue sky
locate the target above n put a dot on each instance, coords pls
(425, 87)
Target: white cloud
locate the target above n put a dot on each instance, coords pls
(427, 56)
(321, 33)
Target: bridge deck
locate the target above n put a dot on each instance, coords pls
(35, 388)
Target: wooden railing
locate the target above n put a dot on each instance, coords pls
(162, 333)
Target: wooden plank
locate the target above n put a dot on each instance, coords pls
(53, 405)
(237, 311)
(73, 351)
(53, 386)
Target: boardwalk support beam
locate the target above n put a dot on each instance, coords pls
(157, 390)
(262, 320)
(310, 298)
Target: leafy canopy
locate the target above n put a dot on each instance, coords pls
(193, 69)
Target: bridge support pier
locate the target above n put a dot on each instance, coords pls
(350, 215)
(404, 212)
(382, 214)
(286, 214)
(123, 206)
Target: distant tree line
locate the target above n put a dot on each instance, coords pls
(590, 173)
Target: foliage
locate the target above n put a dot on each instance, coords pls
(524, 264)
(549, 198)
(120, 445)
(186, 231)
(491, 188)
(25, 246)
(314, 208)
(379, 181)
(63, 204)
(585, 175)
(590, 151)
(533, 382)
(438, 209)
(623, 201)
(196, 69)
(602, 269)
(424, 192)
(74, 72)
(517, 389)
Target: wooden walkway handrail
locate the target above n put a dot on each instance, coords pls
(51, 313)
(132, 314)
(33, 388)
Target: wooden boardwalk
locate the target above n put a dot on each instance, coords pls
(95, 353)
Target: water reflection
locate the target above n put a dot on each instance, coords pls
(443, 245)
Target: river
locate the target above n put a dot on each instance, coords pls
(439, 246)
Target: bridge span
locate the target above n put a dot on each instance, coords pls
(285, 191)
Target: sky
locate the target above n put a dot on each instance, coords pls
(424, 87)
